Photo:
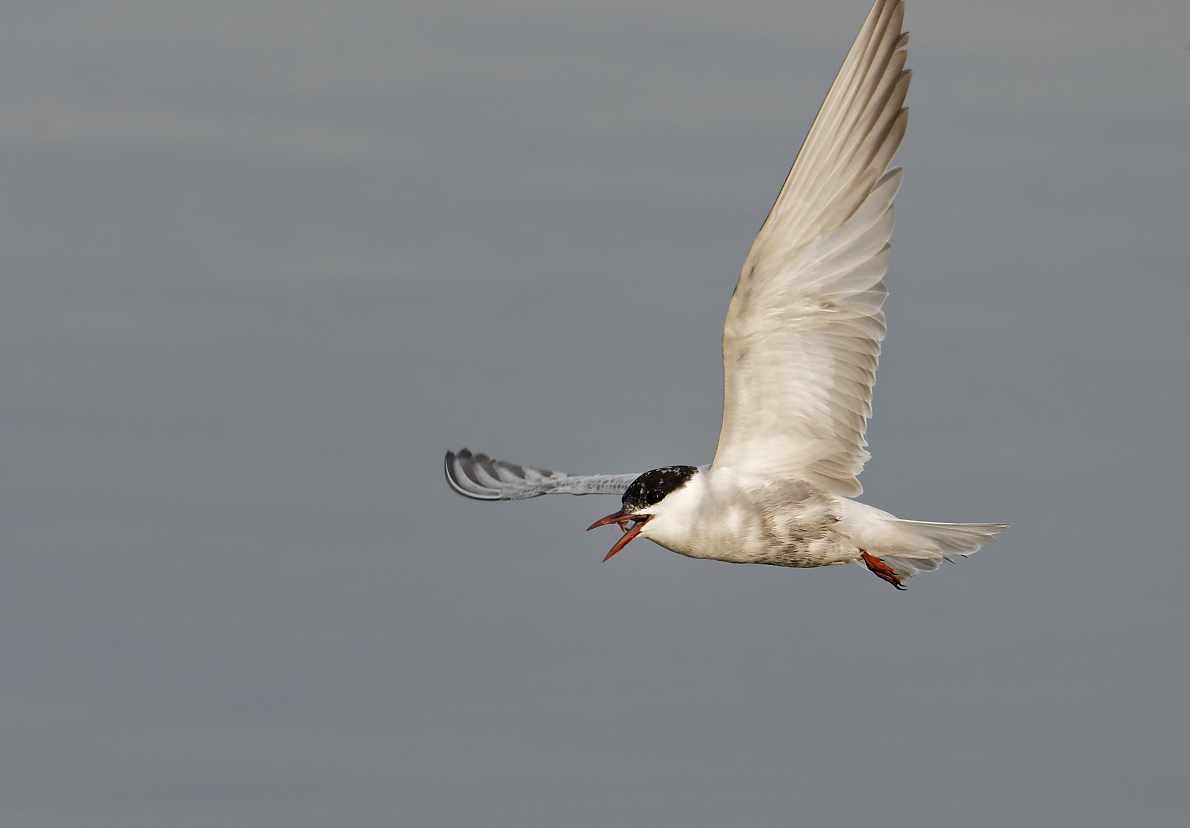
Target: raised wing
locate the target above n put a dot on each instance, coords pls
(480, 477)
(803, 331)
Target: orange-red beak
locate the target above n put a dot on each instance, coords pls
(621, 517)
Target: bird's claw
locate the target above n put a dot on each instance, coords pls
(882, 570)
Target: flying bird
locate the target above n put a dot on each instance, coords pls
(800, 347)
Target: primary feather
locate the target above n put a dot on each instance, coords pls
(803, 331)
(482, 478)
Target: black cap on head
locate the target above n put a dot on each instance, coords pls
(652, 487)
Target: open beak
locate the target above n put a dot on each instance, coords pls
(621, 517)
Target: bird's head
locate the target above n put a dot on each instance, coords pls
(644, 500)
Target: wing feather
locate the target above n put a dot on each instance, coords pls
(482, 478)
(802, 338)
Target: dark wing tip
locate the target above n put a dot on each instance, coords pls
(461, 475)
(479, 477)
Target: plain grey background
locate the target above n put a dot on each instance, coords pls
(262, 263)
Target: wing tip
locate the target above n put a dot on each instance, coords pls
(457, 468)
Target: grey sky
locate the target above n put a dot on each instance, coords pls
(261, 263)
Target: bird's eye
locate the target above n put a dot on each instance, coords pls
(654, 497)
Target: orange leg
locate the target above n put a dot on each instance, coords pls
(882, 570)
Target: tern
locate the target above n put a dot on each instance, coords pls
(800, 347)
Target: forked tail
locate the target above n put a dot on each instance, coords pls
(922, 546)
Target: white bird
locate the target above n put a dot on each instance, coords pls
(800, 348)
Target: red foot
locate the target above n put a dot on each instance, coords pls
(882, 570)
